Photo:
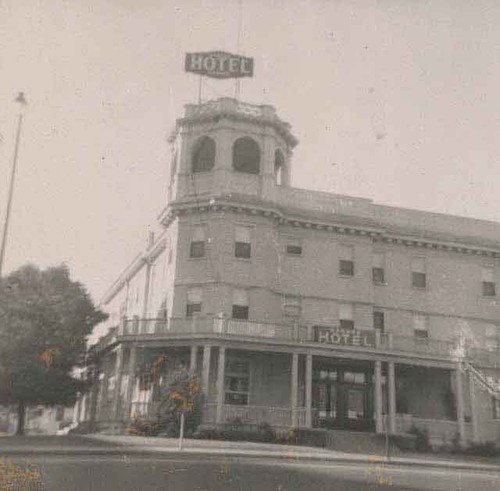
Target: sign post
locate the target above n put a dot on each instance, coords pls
(181, 432)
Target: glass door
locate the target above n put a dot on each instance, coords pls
(325, 397)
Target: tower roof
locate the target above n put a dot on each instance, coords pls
(228, 107)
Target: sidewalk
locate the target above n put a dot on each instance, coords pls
(289, 452)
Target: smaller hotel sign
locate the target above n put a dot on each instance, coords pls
(344, 337)
(218, 64)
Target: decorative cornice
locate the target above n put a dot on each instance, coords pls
(377, 234)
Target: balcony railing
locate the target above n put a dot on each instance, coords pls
(359, 339)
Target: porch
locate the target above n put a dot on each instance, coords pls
(366, 340)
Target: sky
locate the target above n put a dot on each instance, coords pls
(392, 100)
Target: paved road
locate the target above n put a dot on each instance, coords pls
(97, 470)
(145, 473)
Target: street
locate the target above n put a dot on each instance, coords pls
(95, 467)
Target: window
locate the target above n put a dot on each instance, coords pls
(378, 320)
(197, 247)
(294, 249)
(203, 156)
(346, 316)
(240, 304)
(242, 245)
(236, 382)
(279, 163)
(378, 268)
(420, 326)
(355, 377)
(193, 305)
(246, 156)
(418, 276)
(346, 261)
(292, 307)
(489, 286)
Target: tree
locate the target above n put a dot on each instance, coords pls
(45, 318)
(180, 394)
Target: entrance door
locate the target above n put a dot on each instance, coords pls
(342, 398)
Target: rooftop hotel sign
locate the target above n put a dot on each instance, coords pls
(344, 337)
(218, 64)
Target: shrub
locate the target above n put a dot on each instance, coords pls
(421, 438)
(236, 430)
(488, 449)
(266, 433)
(404, 442)
(311, 437)
(142, 427)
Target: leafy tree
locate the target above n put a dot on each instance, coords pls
(180, 394)
(45, 318)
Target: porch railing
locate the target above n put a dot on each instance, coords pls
(242, 328)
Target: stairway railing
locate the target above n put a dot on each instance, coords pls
(485, 382)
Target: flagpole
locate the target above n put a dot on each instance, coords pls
(20, 98)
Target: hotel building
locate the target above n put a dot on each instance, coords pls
(300, 308)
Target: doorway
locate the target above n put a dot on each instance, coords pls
(342, 397)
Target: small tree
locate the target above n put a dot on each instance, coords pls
(180, 394)
(45, 318)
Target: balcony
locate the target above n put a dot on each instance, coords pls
(353, 341)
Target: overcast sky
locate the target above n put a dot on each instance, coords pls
(393, 100)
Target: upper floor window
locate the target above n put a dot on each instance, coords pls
(378, 268)
(489, 287)
(378, 320)
(193, 304)
(240, 304)
(203, 156)
(279, 164)
(246, 156)
(346, 316)
(294, 248)
(420, 326)
(346, 260)
(242, 243)
(197, 246)
(292, 306)
(418, 272)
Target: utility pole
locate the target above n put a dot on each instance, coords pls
(22, 101)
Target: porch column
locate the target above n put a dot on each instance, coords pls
(473, 409)
(459, 394)
(220, 383)
(192, 358)
(378, 397)
(205, 378)
(77, 408)
(308, 390)
(294, 388)
(132, 360)
(118, 383)
(93, 396)
(391, 394)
